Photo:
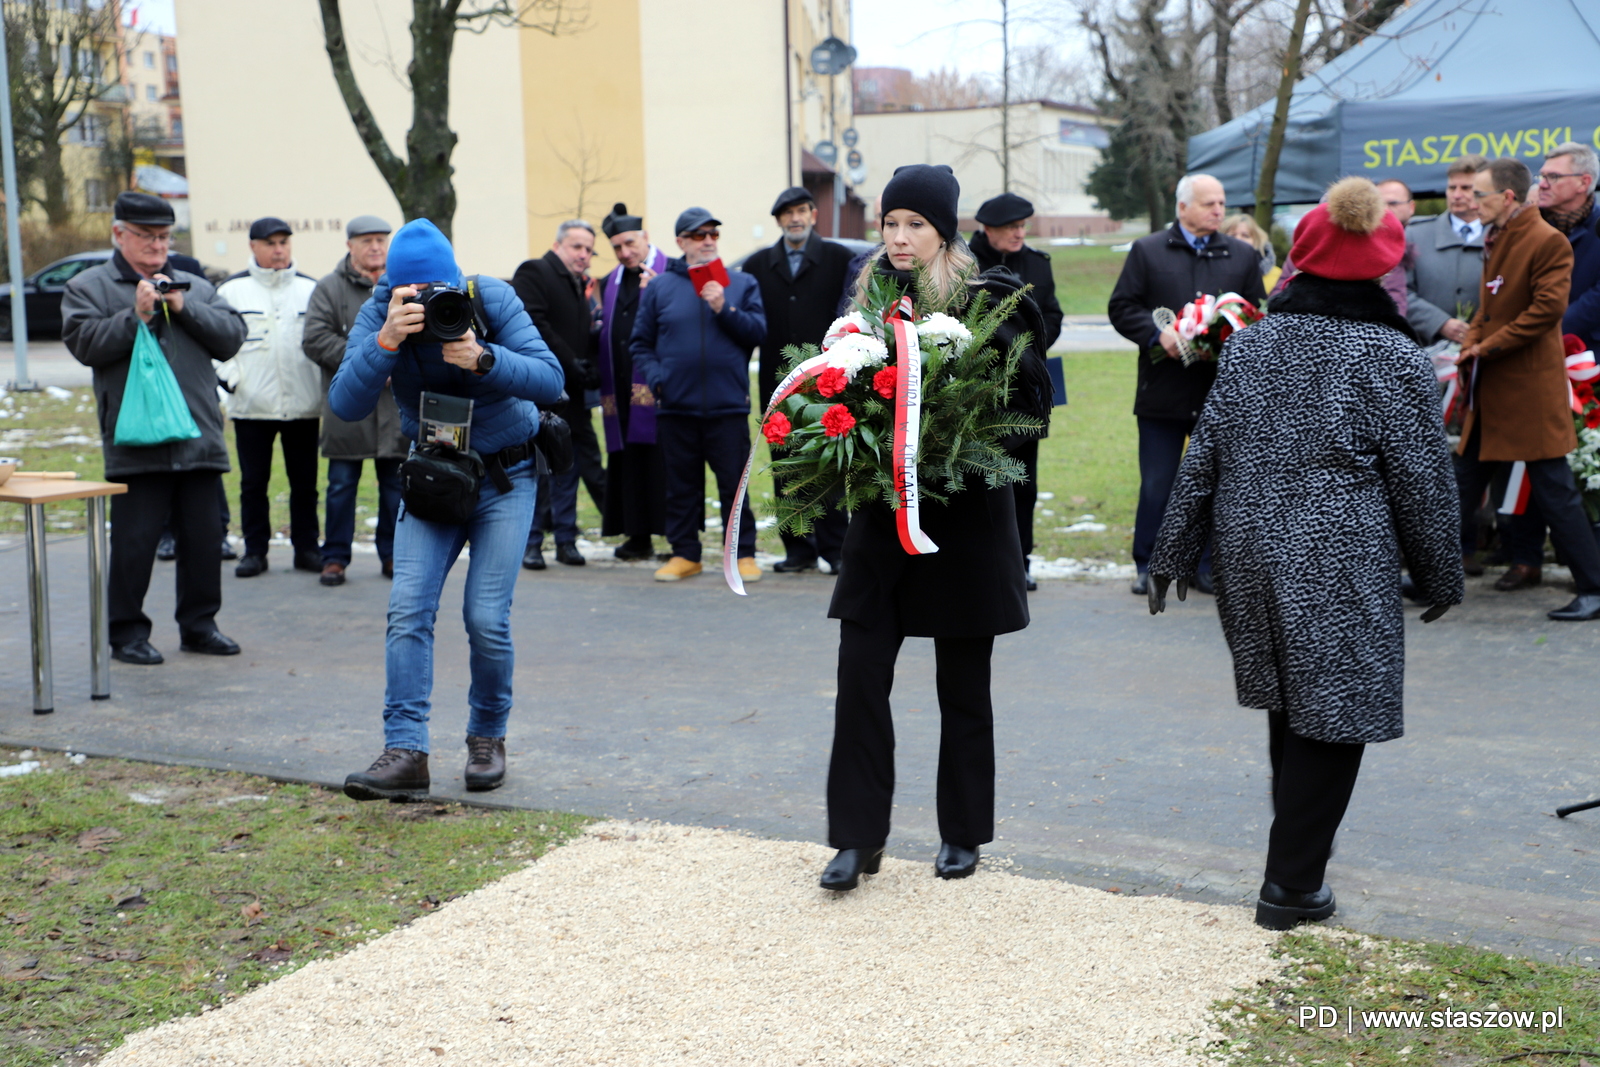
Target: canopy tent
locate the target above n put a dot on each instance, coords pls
(1442, 79)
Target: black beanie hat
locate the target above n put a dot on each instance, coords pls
(930, 190)
(619, 221)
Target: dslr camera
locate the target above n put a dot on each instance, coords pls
(165, 286)
(446, 312)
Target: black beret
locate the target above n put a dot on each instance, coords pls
(266, 226)
(142, 209)
(930, 190)
(619, 221)
(789, 198)
(1003, 209)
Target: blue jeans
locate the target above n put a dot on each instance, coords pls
(558, 509)
(344, 476)
(1161, 444)
(424, 552)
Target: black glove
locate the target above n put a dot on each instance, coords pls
(588, 374)
(1434, 612)
(1158, 592)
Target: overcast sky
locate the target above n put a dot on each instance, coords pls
(153, 14)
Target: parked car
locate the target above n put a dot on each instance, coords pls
(42, 291)
(855, 245)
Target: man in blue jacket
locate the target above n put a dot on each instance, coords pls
(507, 380)
(694, 351)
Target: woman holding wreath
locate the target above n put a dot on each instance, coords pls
(962, 596)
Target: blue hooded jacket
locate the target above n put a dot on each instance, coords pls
(506, 400)
(697, 362)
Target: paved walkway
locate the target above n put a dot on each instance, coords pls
(1123, 760)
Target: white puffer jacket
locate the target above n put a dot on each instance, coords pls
(271, 377)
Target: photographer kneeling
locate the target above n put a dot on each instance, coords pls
(506, 380)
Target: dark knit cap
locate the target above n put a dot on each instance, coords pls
(790, 197)
(619, 221)
(1004, 210)
(930, 190)
(142, 209)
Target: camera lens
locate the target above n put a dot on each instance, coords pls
(448, 314)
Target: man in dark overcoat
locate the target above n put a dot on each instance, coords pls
(100, 317)
(1003, 243)
(1514, 365)
(1168, 269)
(335, 303)
(553, 290)
(800, 278)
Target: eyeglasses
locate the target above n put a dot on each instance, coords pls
(1479, 194)
(703, 235)
(1551, 179)
(148, 238)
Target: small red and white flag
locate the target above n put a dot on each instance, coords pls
(1517, 490)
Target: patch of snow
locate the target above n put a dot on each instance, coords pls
(27, 766)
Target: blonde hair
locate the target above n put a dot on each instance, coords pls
(1256, 235)
(948, 273)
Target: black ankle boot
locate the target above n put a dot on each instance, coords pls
(1281, 909)
(846, 869)
(955, 861)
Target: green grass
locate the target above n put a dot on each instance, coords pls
(1085, 276)
(1348, 971)
(116, 914)
(1089, 462)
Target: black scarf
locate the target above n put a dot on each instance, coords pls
(1311, 294)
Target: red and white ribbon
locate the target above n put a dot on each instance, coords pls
(907, 433)
(1448, 373)
(730, 536)
(1580, 368)
(1517, 489)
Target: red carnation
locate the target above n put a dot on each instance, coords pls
(837, 421)
(776, 428)
(884, 383)
(1573, 344)
(831, 381)
(1592, 419)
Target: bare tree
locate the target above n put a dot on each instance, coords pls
(1266, 183)
(63, 58)
(423, 182)
(1225, 17)
(590, 165)
(1040, 72)
(945, 88)
(1345, 24)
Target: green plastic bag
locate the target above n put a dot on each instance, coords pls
(153, 410)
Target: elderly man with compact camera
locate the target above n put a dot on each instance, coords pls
(100, 315)
(472, 362)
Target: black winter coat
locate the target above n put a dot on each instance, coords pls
(1033, 267)
(1164, 270)
(975, 585)
(799, 308)
(555, 301)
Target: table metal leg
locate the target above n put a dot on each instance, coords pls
(39, 611)
(99, 612)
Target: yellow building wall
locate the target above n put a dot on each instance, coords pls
(583, 124)
(715, 126)
(267, 132)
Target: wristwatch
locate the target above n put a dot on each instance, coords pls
(485, 362)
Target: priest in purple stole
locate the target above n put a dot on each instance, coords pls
(635, 479)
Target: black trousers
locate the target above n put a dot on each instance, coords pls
(137, 516)
(1552, 487)
(1311, 786)
(1161, 443)
(690, 444)
(586, 457)
(636, 494)
(861, 771)
(254, 438)
(1027, 493)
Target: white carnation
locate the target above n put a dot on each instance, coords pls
(854, 324)
(855, 351)
(1589, 437)
(1592, 482)
(941, 330)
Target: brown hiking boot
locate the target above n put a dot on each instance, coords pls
(399, 775)
(486, 763)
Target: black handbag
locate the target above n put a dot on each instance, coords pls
(555, 442)
(441, 484)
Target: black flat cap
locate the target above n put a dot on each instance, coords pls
(619, 221)
(789, 198)
(266, 226)
(142, 209)
(693, 219)
(1003, 209)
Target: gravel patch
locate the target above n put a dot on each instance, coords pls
(646, 944)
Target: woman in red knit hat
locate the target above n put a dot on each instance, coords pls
(1318, 466)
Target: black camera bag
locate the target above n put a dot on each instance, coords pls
(441, 484)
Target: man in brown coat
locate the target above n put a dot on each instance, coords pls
(1513, 352)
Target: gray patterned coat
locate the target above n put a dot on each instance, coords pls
(1318, 466)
